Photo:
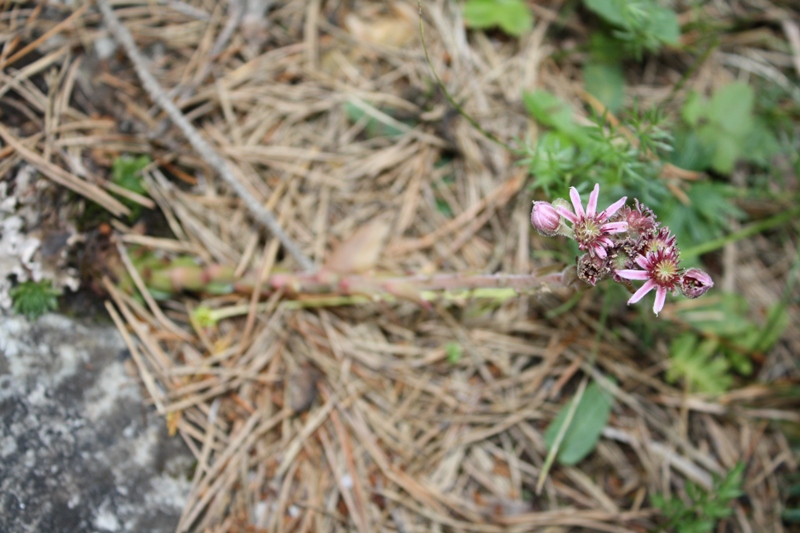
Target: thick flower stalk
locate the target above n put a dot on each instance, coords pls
(623, 243)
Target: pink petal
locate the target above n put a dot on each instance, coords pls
(599, 251)
(613, 208)
(566, 213)
(644, 289)
(606, 242)
(614, 227)
(633, 274)
(576, 202)
(661, 297)
(641, 260)
(591, 207)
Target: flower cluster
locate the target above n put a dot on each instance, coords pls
(623, 243)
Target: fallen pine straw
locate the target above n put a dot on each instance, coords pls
(358, 418)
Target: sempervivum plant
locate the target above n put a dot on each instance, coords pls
(622, 243)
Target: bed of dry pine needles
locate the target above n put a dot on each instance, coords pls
(353, 418)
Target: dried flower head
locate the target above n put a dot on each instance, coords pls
(592, 269)
(591, 228)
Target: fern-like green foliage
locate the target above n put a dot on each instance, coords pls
(34, 298)
(598, 152)
(704, 508)
(723, 341)
(696, 361)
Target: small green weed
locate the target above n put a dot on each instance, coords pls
(454, 352)
(625, 160)
(513, 17)
(126, 172)
(706, 217)
(724, 342)
(621, 162)
(695, 360)
(723, 130)
(638, 26)
(704, 508)
(34, 298)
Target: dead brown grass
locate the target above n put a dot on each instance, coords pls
(352, 419)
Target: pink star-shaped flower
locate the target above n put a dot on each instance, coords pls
(660, 271)
(590, 227)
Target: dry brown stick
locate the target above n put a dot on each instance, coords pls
(62, 177)
(45, 36)
(499, 195)
(203, 148)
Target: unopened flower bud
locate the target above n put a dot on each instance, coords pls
(545, 219)
(695, 283)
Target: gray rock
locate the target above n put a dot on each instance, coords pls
(78, 449)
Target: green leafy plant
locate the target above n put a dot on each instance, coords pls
(622, 159)
(696, 361)
(511, 16)
(722, 130)
(704, 508)
(126, 172)
(34, 298)
(638, 25)
(589, 419)
(454, 352)
(708, 214)
(723, 342)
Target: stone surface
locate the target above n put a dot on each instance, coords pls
(79, 452)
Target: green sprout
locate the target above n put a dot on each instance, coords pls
(705, 508)
(35, 298)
